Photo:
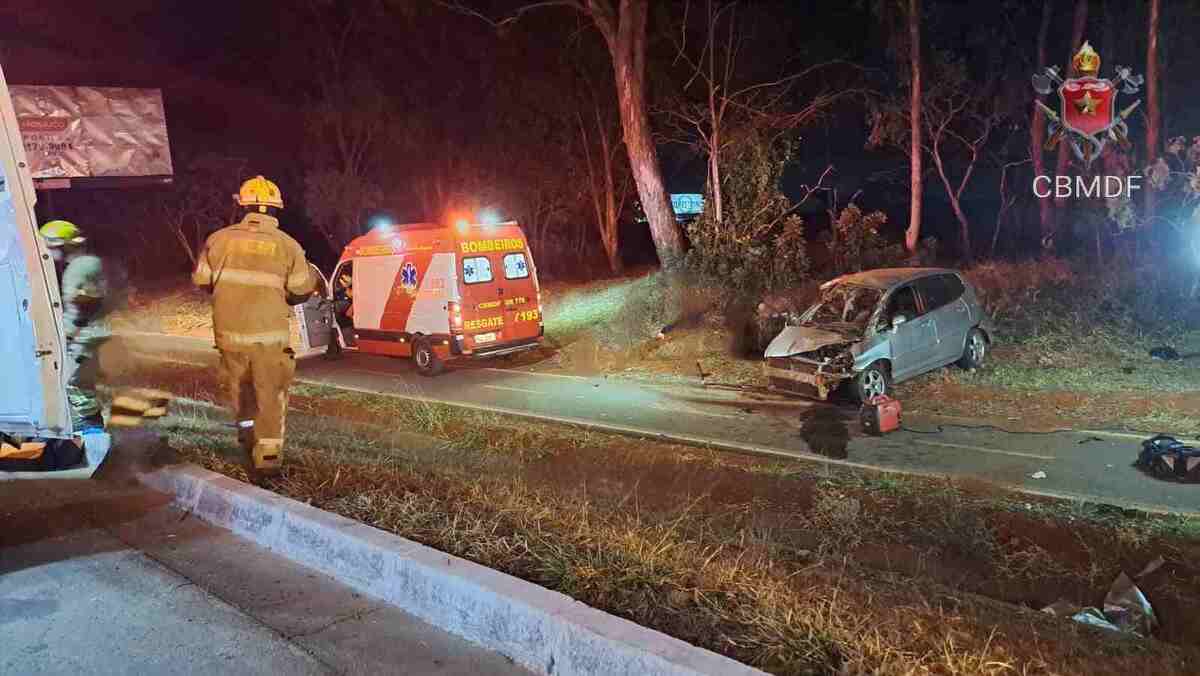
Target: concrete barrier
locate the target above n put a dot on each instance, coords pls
(542, 630)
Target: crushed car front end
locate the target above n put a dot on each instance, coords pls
(828, 344)
(813, 363)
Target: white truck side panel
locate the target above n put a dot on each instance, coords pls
(33, 397)
(429, 315)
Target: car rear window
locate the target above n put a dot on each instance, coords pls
(515, 266)
(477, 270)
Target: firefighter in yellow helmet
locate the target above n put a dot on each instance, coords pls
(255, 272)
(85, 292)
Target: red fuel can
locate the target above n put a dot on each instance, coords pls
(880, 415)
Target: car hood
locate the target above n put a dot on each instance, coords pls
(800, 339)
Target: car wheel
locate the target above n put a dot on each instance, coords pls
(873, 381)
(427, 361)
(975, 351)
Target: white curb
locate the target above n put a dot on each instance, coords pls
(541, 630)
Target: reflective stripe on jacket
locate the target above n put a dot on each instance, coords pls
(252, 268)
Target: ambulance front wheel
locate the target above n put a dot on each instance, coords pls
(427, 361)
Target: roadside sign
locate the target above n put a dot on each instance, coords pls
(89, 133)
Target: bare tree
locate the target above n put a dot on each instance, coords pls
(957, 120)
(349, 118)
(622, 24)
(726, 107)
(607, 191)
(913, 234)
(1007, 200)
(1038, 128)
(199, 201)
(1153, 113)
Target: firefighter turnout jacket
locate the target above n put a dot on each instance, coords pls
(255, 271)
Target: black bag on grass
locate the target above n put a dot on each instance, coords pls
(1168, 458)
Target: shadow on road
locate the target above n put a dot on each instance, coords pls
(52, 516)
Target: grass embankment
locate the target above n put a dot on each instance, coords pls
(173, 308)
(1074, 345)
(1073, 348)
(781, 565)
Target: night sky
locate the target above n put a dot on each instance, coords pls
(232, 80)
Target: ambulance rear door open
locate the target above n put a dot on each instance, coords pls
(33, 399)
(311, 322)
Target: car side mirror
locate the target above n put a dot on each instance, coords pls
(897, 321)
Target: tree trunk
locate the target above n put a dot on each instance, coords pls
(602, 186)
(715, 114)
(610, 224)
(626, 38)
(1038, 127)
(185, 243)
(955, 203)
(912, 236)
(1153, 113)
(1004, 205)
(714, 178)
(1078, 26)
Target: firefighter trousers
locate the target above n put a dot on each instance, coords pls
(82, 369)
(256, 382)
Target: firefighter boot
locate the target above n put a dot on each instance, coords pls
(245, 435)
(267, 457)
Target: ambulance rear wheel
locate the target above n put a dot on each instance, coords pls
(427, 361)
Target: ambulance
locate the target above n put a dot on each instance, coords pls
(433, 292)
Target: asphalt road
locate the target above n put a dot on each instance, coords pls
(1078, 464)
(106, 577)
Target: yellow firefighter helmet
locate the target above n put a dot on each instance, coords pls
(61, 233)
(259, 192)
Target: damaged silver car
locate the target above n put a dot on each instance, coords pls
(877, 328)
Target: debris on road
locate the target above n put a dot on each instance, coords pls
(1164, 353)
(1126, 609)
(1168, 458)
(1038, 475)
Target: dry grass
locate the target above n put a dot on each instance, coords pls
(673, 572)
(175, 309)
(793, 569)
(1078, 342)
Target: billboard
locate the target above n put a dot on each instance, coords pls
(92, 133)
(687, 204)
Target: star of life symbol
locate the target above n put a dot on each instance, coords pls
(408, 278)
(1088, 105)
